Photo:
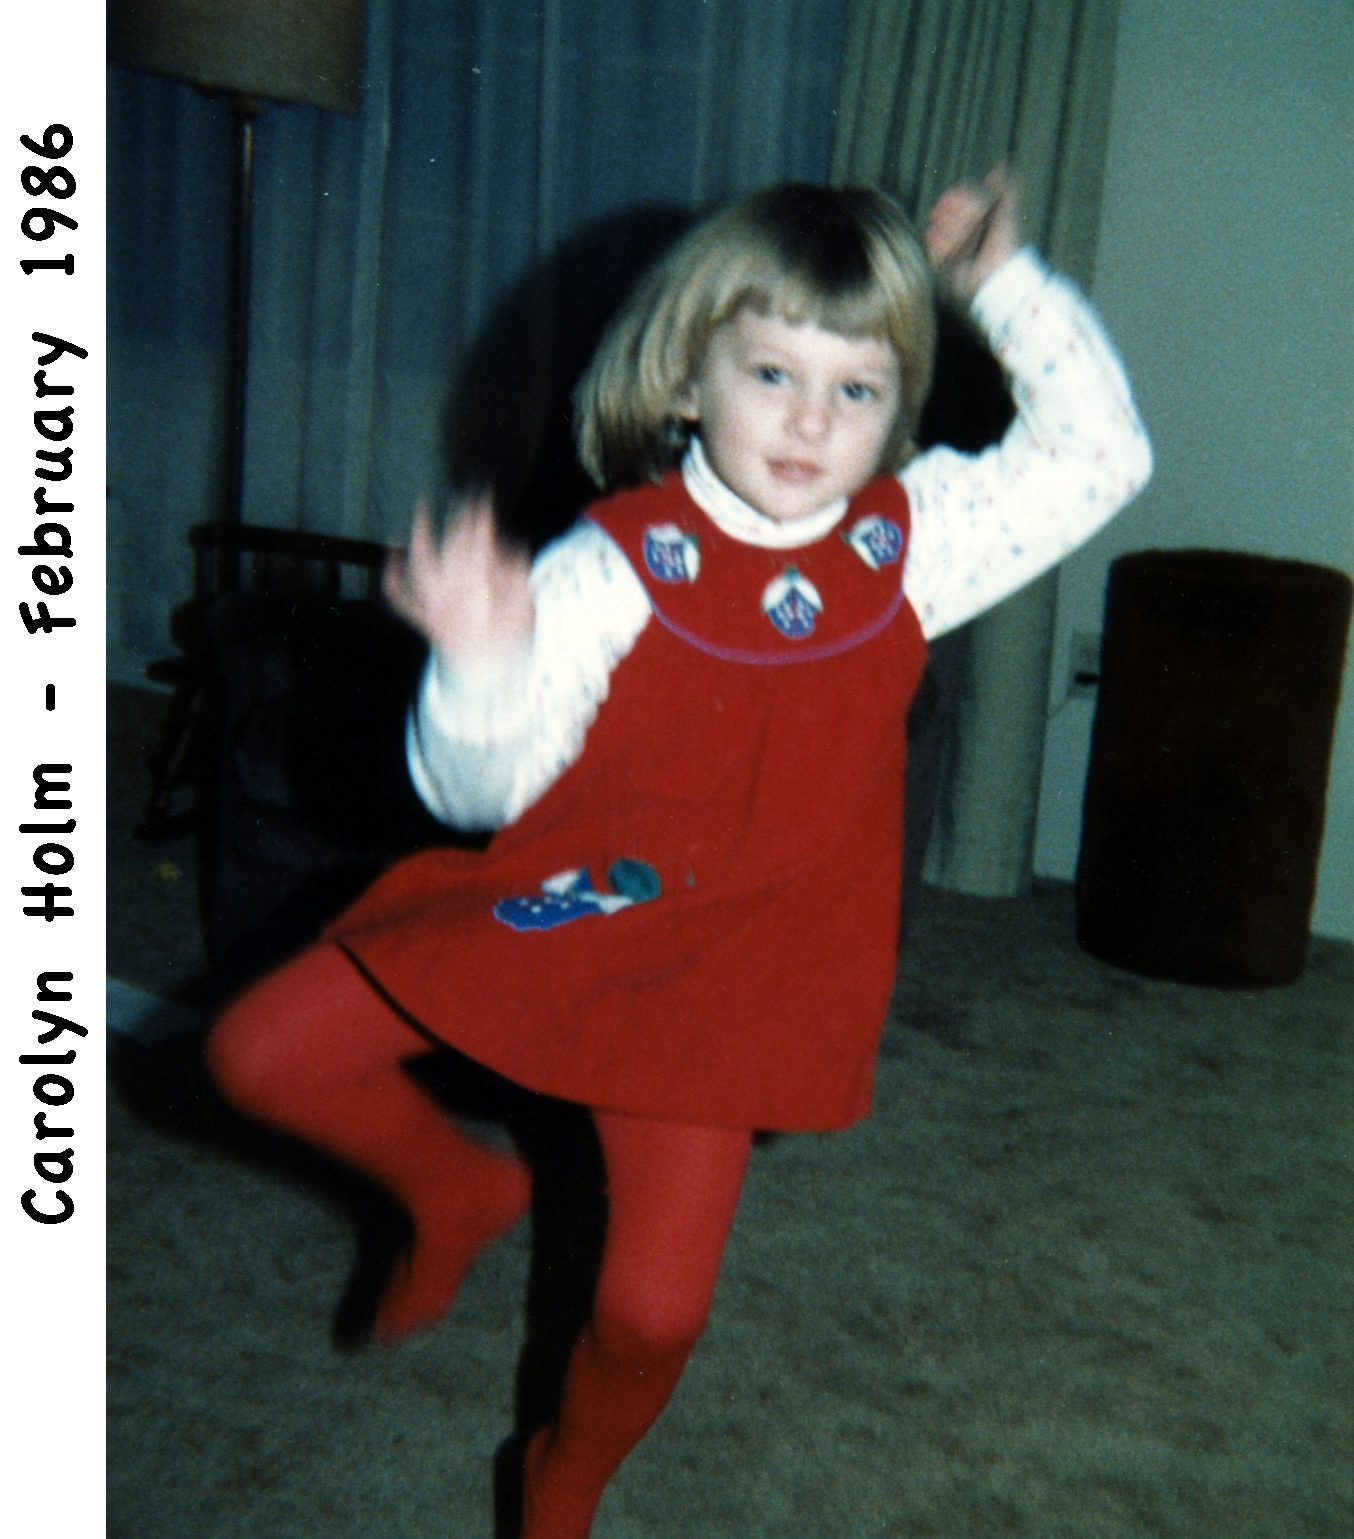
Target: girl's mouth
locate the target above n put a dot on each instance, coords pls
(794, 472)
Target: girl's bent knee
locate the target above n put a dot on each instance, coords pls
(241, 1055)
(261, 1038)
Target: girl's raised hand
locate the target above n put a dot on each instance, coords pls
(971, 231)
(467, 593)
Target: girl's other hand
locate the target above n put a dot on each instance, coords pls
(466, 593)
(971, 231)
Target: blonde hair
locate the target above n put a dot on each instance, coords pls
(845, 259)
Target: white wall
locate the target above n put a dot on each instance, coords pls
(1226, 274)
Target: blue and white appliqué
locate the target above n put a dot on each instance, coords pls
(671, 554)
(877, 540)
(792, 604)
(570, 895)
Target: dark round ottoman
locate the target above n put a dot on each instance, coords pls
(1205, 797)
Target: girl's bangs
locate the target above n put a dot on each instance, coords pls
(854, 310)
(849, 309)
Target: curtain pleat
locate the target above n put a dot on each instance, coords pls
(934, 91)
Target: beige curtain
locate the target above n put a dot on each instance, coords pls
(934, 91)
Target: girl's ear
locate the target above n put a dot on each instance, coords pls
(686, 402)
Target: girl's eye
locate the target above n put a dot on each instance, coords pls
(770, 374)
(855, 390)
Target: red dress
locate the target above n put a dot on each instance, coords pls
(719, 944)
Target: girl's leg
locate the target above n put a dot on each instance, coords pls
(315, 1051)
(671, 1194)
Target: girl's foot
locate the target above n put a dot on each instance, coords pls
(447, 1238)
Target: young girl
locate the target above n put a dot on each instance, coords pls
(684, 721)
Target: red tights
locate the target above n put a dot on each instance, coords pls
(315, 1051)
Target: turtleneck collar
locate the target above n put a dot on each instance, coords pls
(740, 520)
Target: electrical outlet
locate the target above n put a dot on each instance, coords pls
(1083, 666)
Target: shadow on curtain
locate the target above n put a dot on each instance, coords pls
(509, 424)
(934, 91)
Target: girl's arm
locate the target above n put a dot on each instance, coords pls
(985, 525)
(520, 664)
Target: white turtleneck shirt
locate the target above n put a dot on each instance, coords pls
(487, 736)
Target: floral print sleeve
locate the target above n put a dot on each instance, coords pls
(985, 525)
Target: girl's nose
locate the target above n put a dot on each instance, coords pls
(811, 417)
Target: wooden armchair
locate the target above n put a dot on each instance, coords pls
(286, 734)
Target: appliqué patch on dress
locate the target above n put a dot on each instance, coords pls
(570, 895)
(792, 604)
(671, 554)
(877, 540)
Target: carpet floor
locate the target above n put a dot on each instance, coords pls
(1085, 1272)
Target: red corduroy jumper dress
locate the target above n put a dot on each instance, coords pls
(697, 921)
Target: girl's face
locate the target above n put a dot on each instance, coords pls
(791, 416)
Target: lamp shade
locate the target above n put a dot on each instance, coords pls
(305, 51)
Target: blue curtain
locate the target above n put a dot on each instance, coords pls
(512, 163)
